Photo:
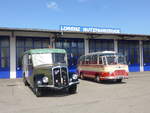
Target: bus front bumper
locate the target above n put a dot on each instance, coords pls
(114, 77)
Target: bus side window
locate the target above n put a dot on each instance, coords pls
(82, 61)
(90, 60)
(100, 60)
(104, 60)
(94, 59)
(87, 60)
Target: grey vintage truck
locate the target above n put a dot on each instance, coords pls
(48, 68)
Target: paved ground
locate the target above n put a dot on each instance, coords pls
(131, 96)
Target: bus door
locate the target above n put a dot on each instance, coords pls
(130, 49)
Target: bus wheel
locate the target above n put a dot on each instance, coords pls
(119, 80)
(82, 76)
(97, 79)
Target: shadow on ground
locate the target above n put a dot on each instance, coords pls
(105, 82)
(52, 92)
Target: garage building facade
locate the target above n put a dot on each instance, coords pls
(13, 43)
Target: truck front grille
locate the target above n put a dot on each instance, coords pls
(60, 76)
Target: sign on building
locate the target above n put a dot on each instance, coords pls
(89, 29)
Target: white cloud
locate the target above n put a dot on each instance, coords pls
(52, 5)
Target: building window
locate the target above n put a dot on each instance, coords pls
(146, 52)
(27, 43)
(74, 48)
(130, 49)
(101, 45)
(4, 53)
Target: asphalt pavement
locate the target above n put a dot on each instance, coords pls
(130, 96)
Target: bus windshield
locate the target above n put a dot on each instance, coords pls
(115, 59)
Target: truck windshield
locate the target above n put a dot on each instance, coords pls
(42, 59)
(48, 58)
(115, 59)
(59, 58)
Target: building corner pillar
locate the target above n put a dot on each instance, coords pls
(86, 46)
(12, 56)
(116, 46)
(141, 55)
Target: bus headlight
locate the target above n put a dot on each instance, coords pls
(75, 76)
(45, 79)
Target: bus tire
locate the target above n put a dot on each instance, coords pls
(119, 80)
(97, 79)
(82, 76)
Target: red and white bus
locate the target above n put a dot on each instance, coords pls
(106, 65)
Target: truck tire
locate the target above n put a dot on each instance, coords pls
(25, 81)
(72, 89)
(37, 91)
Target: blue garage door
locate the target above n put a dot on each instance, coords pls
(146, 55)
(74, 48)
(4, 57)
(131, 50)
(26, 43)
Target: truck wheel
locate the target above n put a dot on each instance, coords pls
(37, 91)
(25, 81)
(72, 89)
(97, 79)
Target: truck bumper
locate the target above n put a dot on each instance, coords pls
(61, 87)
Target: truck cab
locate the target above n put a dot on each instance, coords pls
(48, 68)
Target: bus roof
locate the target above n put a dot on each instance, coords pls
(47, 50)
(102, 53)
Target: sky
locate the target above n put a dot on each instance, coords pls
(131, 16)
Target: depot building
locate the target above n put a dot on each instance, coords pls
(76, 41)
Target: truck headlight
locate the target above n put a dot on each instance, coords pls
(45, 79)
(75, 76)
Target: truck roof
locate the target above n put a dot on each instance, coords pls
(47, 50)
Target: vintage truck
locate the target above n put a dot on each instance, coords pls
(48, 68)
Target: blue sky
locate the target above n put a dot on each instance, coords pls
(131, 16)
